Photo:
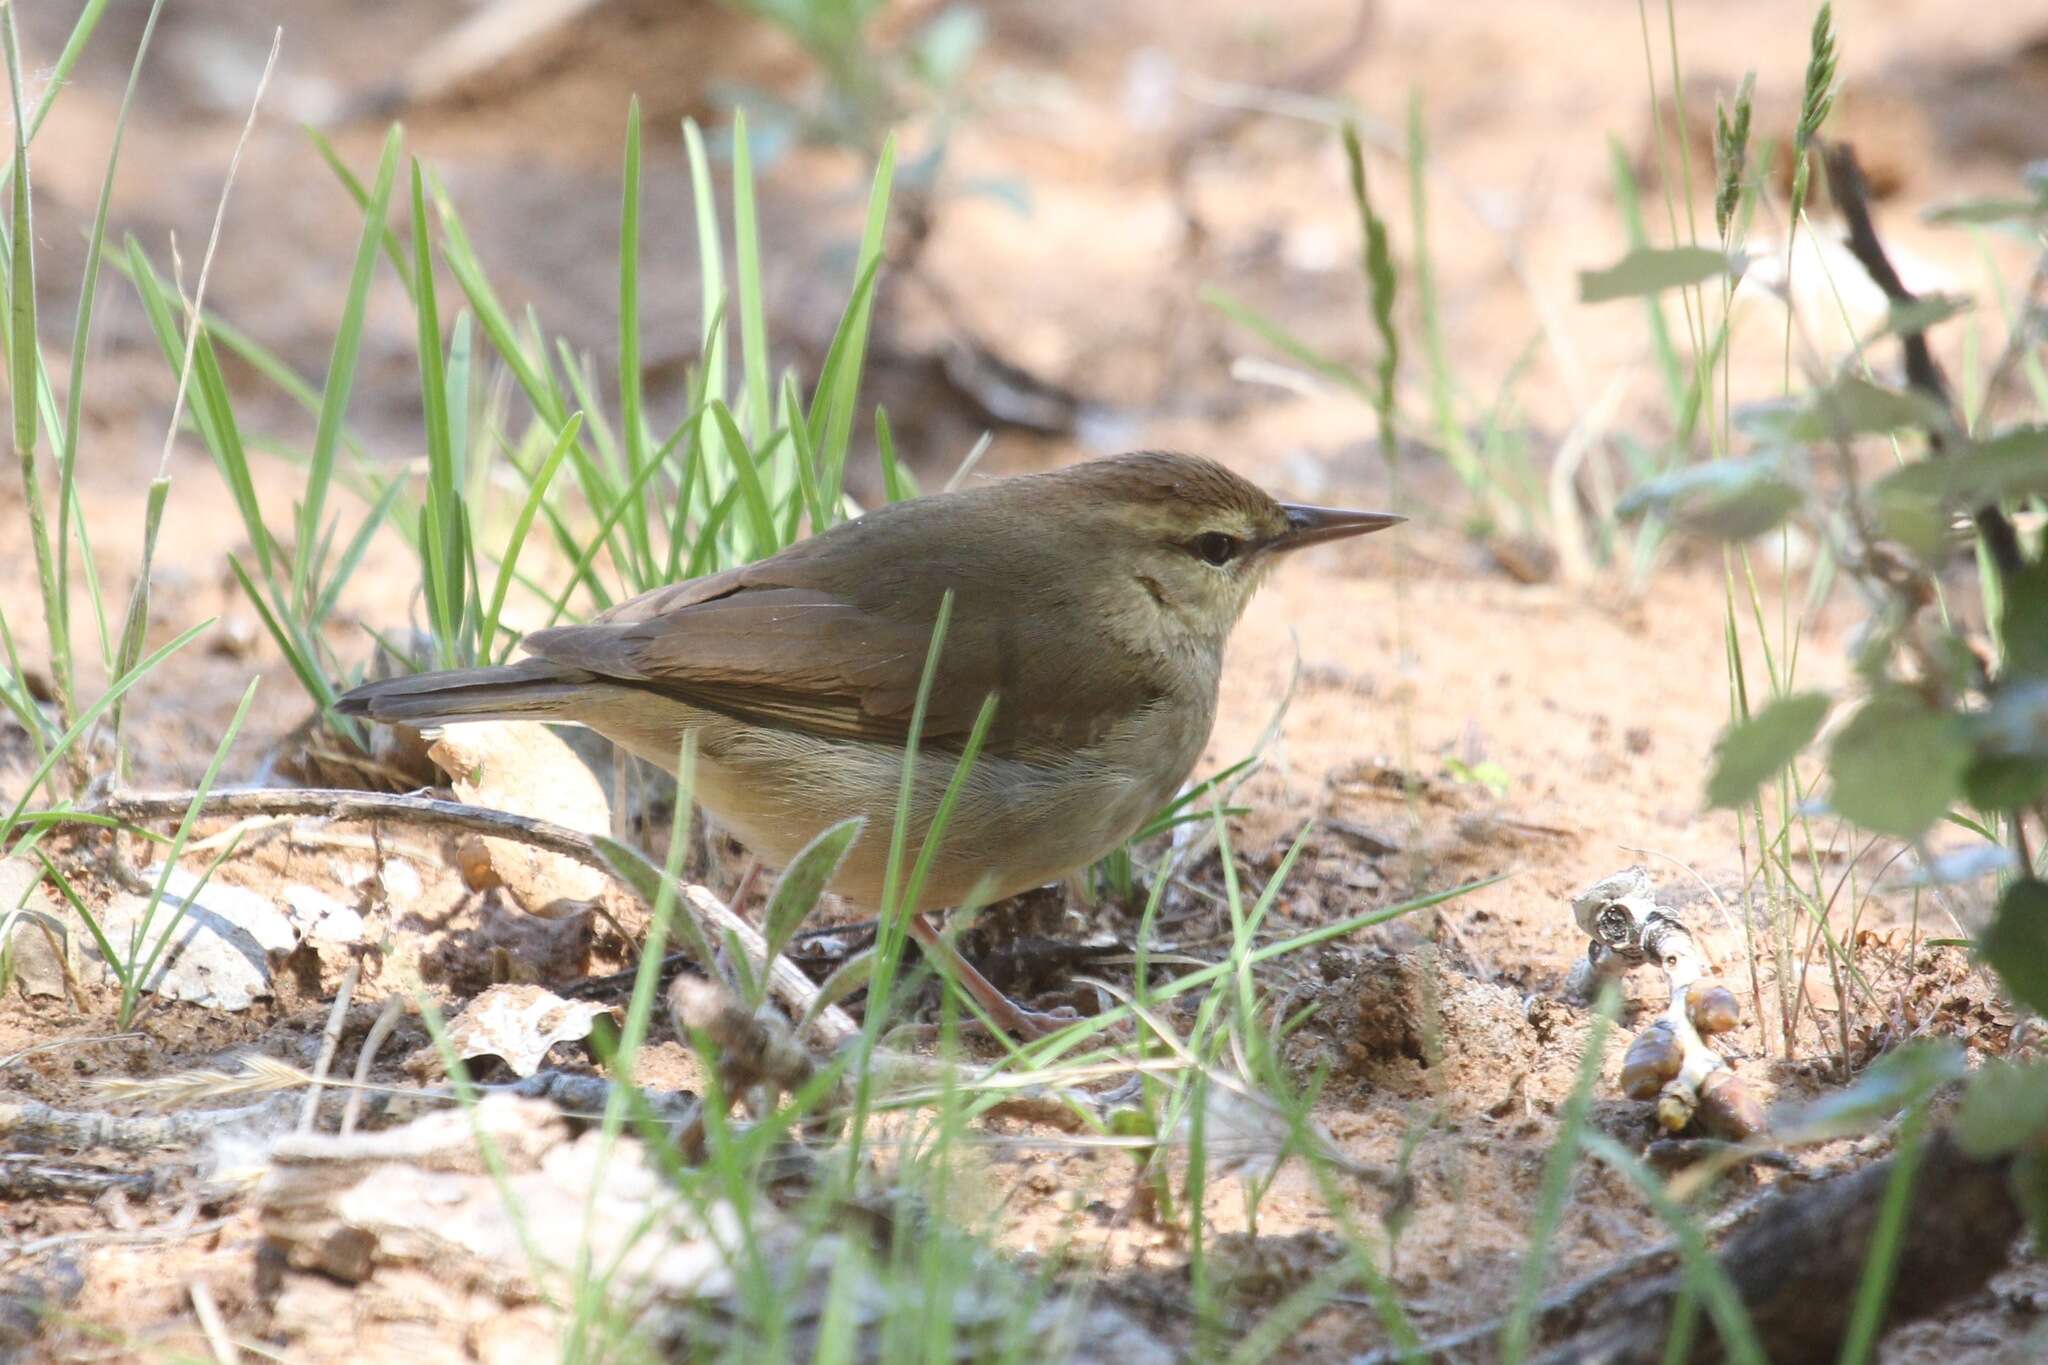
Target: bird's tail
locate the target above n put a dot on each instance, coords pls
(533, 689)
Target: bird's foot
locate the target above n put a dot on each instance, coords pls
(1031, 1025)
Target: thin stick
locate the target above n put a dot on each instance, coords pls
(330, 1040)
(786, 979)
(365, 1059)
(210, 1321)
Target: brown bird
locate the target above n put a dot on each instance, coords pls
(1093, 602)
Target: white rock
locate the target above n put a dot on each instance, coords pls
(321, 918)
(401, 880)
(37, 930)
(220, 947)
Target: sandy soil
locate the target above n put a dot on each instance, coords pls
(1598, 697)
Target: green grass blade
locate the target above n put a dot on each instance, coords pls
(341, 372)
(898, 483)
(1283, 340)
(753, 497)
(393, 248)
(1708, 1279)
(844, 395)
(297, 651)
(81, 330)
(131, 988)
(92, 713)
(116, 962)
(1880, 1269)
(352, 555)
(536, 493)
(710, 260)
(1518, 1333)
(445, 566)
(632, 417)
(24, 363)
(60, 73)
(746, 234)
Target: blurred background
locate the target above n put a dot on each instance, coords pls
(1078, 182)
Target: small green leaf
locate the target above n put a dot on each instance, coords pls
(1130, 1121)
(1998, 782)
(751, 984)
(2016, 944)
(850, 976)
(631, 866)
(1651, 270)
(1980, 212)
(1850, 406)
(2030, 1191)
(1911, 319)
(947, 45)
(2011, 464)
(804, 880)
(1723, 499)
(1891, 1083)
(1917, 521)
(1754, 750)
(1898, 764)
(2023, 622)
(2005, 1107)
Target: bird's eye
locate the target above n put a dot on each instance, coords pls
(1214, 547)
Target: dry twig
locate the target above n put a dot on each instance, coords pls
(330, 1040)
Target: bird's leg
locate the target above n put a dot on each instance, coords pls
(746, 884)
(1029, 1025)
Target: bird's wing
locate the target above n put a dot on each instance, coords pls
(753, 645)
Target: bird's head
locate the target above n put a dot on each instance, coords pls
(1181, 543)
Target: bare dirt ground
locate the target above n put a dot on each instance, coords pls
(1597, 698)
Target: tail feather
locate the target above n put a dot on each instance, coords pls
(533, 689)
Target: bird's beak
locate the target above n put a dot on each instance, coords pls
(1314, 525)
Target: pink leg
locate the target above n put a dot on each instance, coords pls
(1030, 1025)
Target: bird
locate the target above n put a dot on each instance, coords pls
(1093, 602)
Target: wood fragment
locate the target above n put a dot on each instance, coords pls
(33, 1123)
(1798, 1266)
(26, 1176)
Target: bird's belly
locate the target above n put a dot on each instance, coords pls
(1016, 824)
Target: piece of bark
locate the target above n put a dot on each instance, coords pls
(1797, 1267)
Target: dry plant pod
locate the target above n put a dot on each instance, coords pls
(1677, 1102)
(1712, 1007)
(1653, 1059)
(1728, 1108)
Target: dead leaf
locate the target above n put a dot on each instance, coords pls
(520, 1024)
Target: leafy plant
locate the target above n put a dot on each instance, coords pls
(870, 85)
(647, 501)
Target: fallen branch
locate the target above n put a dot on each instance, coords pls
(1798, 1267)
(31, 1177)
(794, 989)
(35, 1124)
(1568, 1309)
